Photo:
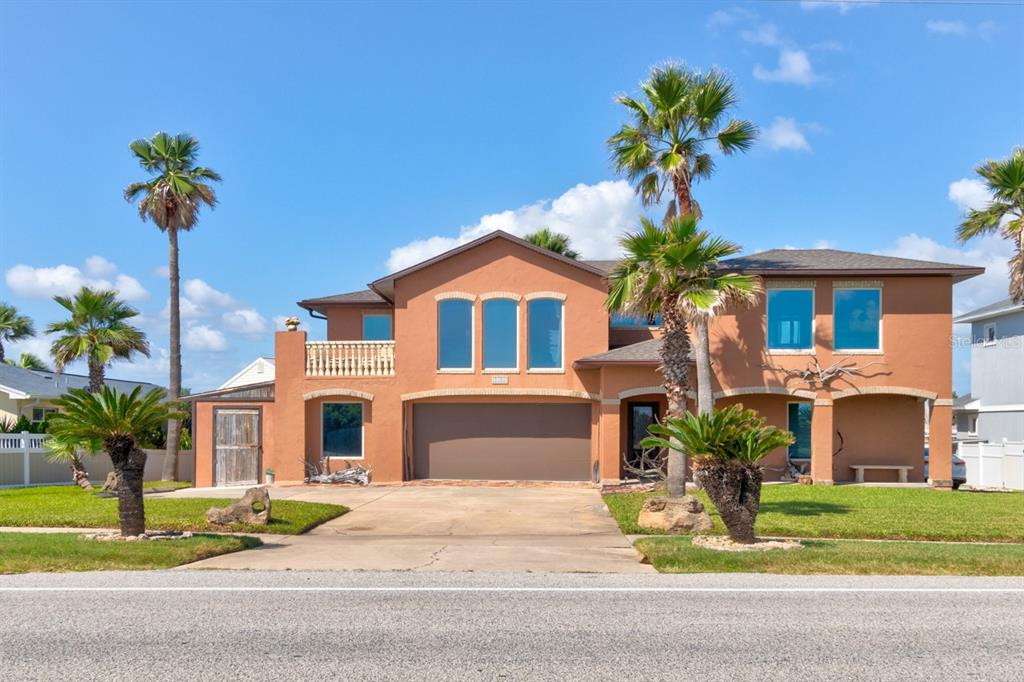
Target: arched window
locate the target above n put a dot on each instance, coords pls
(455, 334)
(501, 334)
(545, 329)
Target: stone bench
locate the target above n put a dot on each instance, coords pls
(859, 469)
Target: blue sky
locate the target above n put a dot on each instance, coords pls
(354, 138)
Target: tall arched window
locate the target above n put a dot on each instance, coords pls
(455, 334)
(544, 327)
(501, 334)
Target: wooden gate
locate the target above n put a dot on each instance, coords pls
(237, 435)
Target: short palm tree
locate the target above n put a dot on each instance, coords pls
(171, 197)
(667, 270)
(69, 451)
(13, 326)
(116, 421)
(1005, 213)
(28, 361)
(552, 241)
(727, 447)
(663, 147)
(97, 330)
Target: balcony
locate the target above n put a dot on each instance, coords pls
(350, 359)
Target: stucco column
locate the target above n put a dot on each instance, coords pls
(821, 441)
(940, 444)
(289, 445)
(610, 459)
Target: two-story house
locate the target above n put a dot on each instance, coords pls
(498, 360)
(994, 409)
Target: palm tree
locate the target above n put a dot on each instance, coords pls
(69, 451)
(727, 447)
(171, 197)
(667, 270)
(116, 421)
(552, 241)
(663, 147)
(1005, 213)
(97, 331)
(28, 361)
(13, 327)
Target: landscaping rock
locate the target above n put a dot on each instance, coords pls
(724, 544)
(110, 485)
(674, 515)
(253, 508)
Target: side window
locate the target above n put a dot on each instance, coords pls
(990, 334)
(799, 423)
(342, 429)
(790, 319)
(625, 321)
(377, 328)
(501, 334)
(545, 343)
(455, 334)
(857, 317)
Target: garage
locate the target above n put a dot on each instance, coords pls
(502, 441)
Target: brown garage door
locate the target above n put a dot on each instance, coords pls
(502, 441)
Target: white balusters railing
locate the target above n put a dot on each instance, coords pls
(350, 358)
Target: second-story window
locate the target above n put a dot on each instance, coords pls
(501, 334)
(544, 327)
(455, 334)
(626, 321)
(377, 328)
(858, 319)
(790, 319)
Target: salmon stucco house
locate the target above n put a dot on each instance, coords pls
(498, 361)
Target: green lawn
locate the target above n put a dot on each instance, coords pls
(855, 512)
(25, 552)
(70, 506)
(838, 557)
(170, 485)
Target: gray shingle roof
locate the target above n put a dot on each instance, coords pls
(820, 261)
(361, 297)
(991, 310)
(37, 383)
(605, 266)
(962, 401)
(642, 353)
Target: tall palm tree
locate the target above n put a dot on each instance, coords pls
(171, 197)
(667, 270)
(97, 330)
(13, 327)
(663, 147)
(28, 361)
(1005, 213)
(116, 421)
(552, 241)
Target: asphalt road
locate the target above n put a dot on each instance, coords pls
(185, 625)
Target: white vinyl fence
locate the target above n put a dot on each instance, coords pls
(994, 465)
(25, 461)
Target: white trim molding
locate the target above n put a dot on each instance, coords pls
(766, 390)
(943, 402)
(822, 402)
(499, 392)
(329, 392)
(545, 294)
(446, 295)
(500, 294)
(886, 390)
(1009, 407)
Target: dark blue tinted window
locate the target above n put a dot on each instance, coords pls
(857, 313)
(455, 334)
(790, 319)
(342, 430)
(800, 426)
(500, 333)
(545, 333)
(376, 328)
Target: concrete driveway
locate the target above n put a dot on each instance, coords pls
(446, 528)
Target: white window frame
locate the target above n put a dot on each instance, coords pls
(995, 338)
(362, 328)
(47, 411)
(362, 429)
(472, 338)
(483, 337)
(881, 323)
(546, 370)
(814, 324)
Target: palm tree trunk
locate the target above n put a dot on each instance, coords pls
(2, 356)
(170, 464)
(675, 350)
(78, 473)
(96, 376)
(130, 509)
(702, 351)
(735, 490)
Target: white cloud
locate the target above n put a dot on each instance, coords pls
(204, 338)
(794, 67)
(946, 27)
(244, 321)
(65, 280)
(726, 17)
(842, 6)
(98, 266)
(786, 133)
(762, 34)
(162, 271)
(594, 217)
(201, 293)
(968, 193)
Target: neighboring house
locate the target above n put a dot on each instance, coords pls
(994, 409)
(30, 392)
(258, 371)
(498, 360)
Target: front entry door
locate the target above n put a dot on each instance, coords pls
(236, 458)
(641, 415)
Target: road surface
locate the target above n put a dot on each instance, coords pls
(284, 625)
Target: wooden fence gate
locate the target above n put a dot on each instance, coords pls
(237, 435)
